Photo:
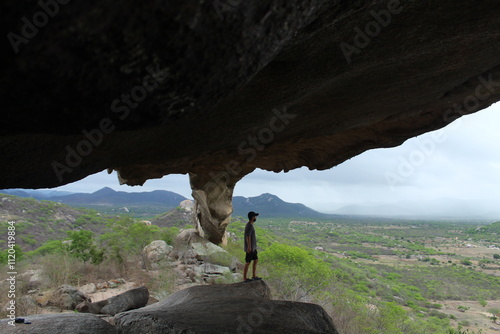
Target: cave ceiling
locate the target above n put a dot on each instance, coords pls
(223, 87)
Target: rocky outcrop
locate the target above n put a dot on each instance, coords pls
(66, 297)
(213, 204)
(217, 89)
(187, 205)
(129, 300)
(34, 278)
(191, 245)
(233, 308)
(240, 308)
(60, 323)
(157, 250)
(200, 261)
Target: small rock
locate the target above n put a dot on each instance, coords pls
(88, 288)
(237, 277)
(208, 268)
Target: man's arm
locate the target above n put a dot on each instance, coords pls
(249, 243)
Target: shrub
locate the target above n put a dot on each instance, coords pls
(494, 310)
(466, 262)
(465, 323)
(294, 272)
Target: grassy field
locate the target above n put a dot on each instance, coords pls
(414, 263)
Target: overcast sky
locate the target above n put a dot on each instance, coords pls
(461, 161)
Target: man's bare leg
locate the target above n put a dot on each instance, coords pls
(254, 268)
(245, 271)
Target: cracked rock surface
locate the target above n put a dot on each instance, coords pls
(158, 88)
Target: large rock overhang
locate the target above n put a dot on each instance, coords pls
(221, 88)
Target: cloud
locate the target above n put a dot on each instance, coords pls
(464, 163)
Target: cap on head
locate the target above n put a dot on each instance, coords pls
(252, 214)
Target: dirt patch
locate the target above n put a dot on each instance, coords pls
(476, 316)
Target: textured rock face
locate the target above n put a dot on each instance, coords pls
(60, 323)
(240, 308)
(66, 297)
(131, 299)
(157, 250)
(217, 91)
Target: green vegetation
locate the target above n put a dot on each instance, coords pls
(83, 247)
(372, 276)
(381, 277)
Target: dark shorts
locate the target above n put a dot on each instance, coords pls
(251, 256)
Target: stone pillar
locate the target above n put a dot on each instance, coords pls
(213, 195)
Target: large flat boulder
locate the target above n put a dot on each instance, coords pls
(131, 299)
(233, 308)
(59, 323)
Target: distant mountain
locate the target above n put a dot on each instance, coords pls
(108, 200)
(36, 194)
(40, 220)
(269, 205)
(110, 197)
(142, 204)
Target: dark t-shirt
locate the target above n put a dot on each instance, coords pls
(250, 231)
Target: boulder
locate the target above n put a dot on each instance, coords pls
(66, 297)
(36, 280)
(190, 244)
(157, 250)
(188, 237)
(60, 323)
(33, 278)
(209, 268)
(131, 299)
(187, 205)
(240, 308)
(204, 249)
(88, 288)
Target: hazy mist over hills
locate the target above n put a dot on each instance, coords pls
(272, 206)
(441, 208)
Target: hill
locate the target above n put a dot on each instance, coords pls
(160, 202)
(38, 221)
(270, 205)
(178, 217)
(107, 200)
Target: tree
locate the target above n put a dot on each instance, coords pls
(82, 246)
(295, 272)
(127, 237)
(496, 256)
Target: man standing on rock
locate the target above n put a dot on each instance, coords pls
(250, 248)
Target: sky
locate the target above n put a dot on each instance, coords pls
(460, 161)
